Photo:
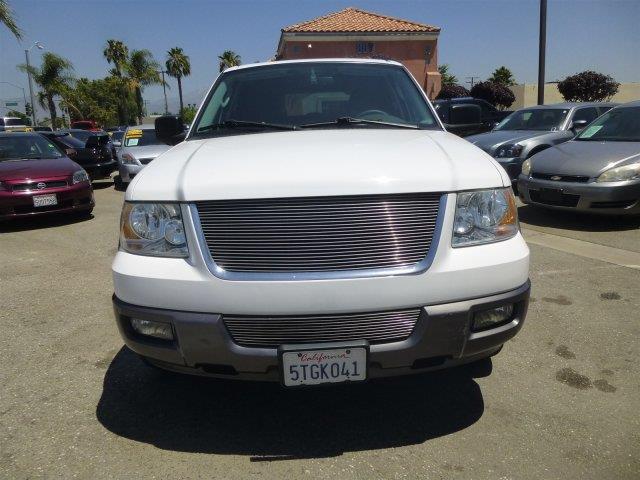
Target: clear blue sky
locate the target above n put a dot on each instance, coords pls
(477, 35)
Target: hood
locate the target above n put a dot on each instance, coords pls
(316, 162)
(491, 140)
(585, 158)
(147, 151)
(37, 169)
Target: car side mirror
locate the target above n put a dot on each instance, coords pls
(92, 142)
(117, 143)
(170, 129)
(578, 125)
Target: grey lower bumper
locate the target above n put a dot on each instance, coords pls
(622, 198)
(442, 338)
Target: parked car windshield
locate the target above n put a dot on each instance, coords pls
(25, 147)
(69, 141)
(617, 125)
(9, 122)
(117, 135)
(138, 137)
(544, 119)
(82, 135)
(297, 94)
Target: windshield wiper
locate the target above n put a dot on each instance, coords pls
(357, 121)
(231, 124)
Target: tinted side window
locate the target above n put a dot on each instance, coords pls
(589, 114)
(487, 109)
(464, 113)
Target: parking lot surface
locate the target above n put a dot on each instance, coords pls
(560, 401)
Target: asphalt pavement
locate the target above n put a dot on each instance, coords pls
(560, 401)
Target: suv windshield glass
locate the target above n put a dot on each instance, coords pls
(68, 140)
(24, 147)
(137, 137)
(534, 119)
(617, 125)
(299, 94)
(9, 122)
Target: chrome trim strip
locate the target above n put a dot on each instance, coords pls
(415, 269)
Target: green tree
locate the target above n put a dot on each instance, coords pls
(588, 86)
(178, 66)
(503, 76)
(189, 113)
(446, 77)
(117, 54)
(53, 77)
(142, 71)
(97, 100)
(497, 94)
(229, 58)
(6, 18)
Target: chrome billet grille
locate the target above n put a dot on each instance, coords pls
(269, 332)
(319, 234)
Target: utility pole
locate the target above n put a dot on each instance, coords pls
(33, 105)
(24, 96)
(542, 50)
(164, 88)
(472, 80)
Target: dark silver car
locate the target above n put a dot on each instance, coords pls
(598, 171)
(530, 130)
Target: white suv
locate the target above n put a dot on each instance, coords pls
(318, 225)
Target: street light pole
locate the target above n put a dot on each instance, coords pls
(542, 50)
(33, 105)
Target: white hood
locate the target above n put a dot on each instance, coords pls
(317, 163)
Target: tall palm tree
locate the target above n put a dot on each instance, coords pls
(117, 53)
(6, 18)
(178, 66)
(141, 70)
(53, 77)
(229, 58)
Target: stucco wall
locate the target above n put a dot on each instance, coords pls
(527, 94)
(411, 53)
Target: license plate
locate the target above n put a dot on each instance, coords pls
(325, 365)
(551, 194)
(44, 200)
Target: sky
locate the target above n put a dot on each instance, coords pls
(477, 35)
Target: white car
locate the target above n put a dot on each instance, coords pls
(318, 225)
(138, 148)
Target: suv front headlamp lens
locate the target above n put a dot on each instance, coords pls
(154, 229)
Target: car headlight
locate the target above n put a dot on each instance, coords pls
(154, 229)
(80, 176)
(526, 167)
(509, 151)
(484, 216)
(128, 159)
(620, 174)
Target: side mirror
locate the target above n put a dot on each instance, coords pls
(170, 129)
(578, 125)
(117, 143)
(465, 113)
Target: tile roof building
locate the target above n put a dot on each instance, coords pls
(356, 33)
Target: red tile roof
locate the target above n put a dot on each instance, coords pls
(356, 20)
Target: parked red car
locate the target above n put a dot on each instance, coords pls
(90, 125)
(37, 178)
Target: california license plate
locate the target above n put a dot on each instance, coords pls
(323, 365)
(44, 200)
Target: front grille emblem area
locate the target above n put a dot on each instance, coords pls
(41, 185)
(555, 178)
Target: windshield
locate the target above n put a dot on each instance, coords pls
(69, 141)
(24, 147)
(9, 122)
(544, 119)
(312, 93)
(617, 125)
(82, 135)
(137, 137)
(117, 135)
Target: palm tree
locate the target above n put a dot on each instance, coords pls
(229, 58)
(117, 53)
(6, 18)
(53, 77)
(178, 66)
(446, 78)
(142, 70)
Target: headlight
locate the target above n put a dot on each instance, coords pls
(128, 159)
(80, 176)
(526, 167)
(484, 216)
(509, 151)
(154, 229)
(620, 174)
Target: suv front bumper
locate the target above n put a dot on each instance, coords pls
(441, 338)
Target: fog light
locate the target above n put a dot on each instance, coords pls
(152, 328)
(491, 318)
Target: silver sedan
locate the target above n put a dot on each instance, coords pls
(139, 148)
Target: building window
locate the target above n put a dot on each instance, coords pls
(364, 47)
